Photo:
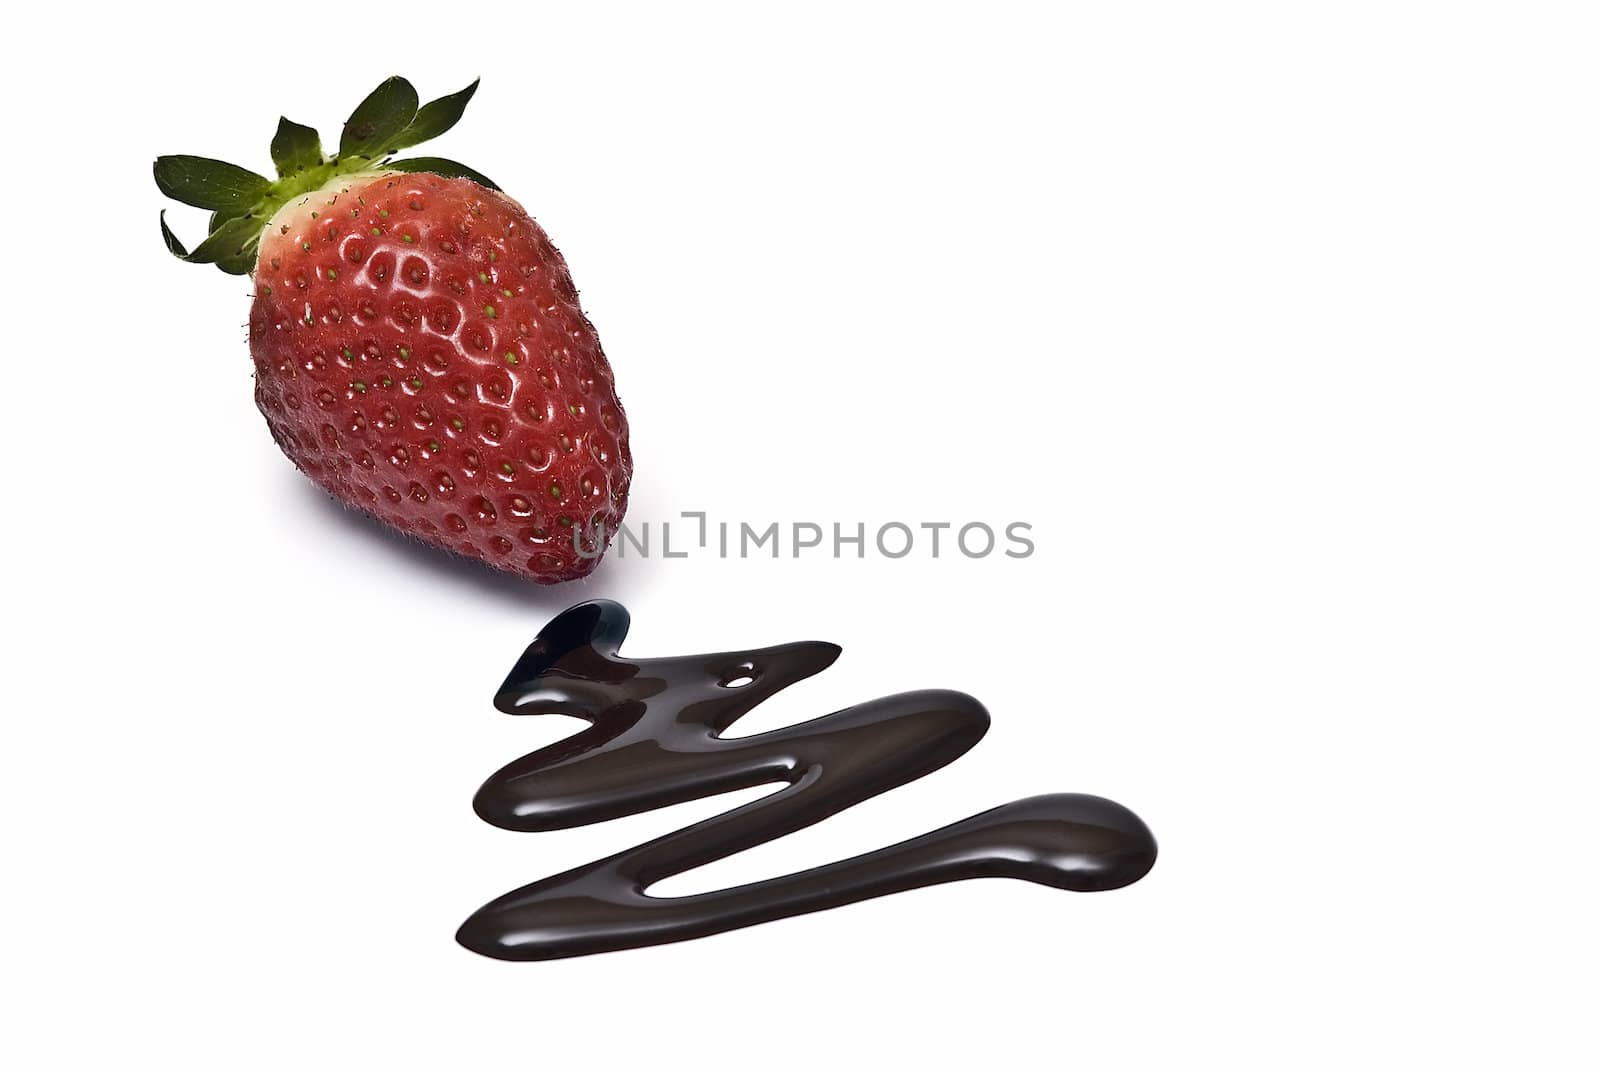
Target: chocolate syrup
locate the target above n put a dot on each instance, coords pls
(654, 740)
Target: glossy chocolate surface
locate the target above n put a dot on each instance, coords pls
(653, 740)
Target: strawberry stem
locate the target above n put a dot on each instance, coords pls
(241, 201)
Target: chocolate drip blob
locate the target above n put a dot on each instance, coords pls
(654, 740)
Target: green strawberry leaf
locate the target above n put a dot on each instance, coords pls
(206, 183)
(231, 247)
(387, 111)
(243, 263)
(438, 165)
(241, 201)
(295, 147)
(434, 118)
(227, 240)
(174, 246)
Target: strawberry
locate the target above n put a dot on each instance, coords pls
(419, 349)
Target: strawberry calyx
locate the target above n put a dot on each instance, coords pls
(242, 202)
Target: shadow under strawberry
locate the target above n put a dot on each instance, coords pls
(418, 557)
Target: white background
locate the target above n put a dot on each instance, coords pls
(1277, 321)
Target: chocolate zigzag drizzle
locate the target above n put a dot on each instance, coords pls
(653, 740)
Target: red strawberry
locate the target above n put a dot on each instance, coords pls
(418, 344)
